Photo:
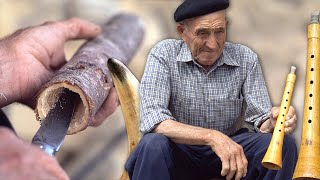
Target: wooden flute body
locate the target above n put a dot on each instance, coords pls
(273, 156)
(308, 165)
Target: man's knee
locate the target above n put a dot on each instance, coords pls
(265, 140)
(289, 144)
(288, 141)
(154, 141)
(153, 154)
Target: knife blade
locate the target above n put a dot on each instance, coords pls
(54, 126)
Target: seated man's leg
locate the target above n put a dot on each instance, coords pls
(157, 157)
(151, 159)
(255, 146)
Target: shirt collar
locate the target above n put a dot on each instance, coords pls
(227, 59)
(184, 55)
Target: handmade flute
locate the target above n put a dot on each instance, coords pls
(273, 156)
(308, 165)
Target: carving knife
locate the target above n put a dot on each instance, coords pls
(54, 127)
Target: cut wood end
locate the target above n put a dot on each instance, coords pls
(48, 97)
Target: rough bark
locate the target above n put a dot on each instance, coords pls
(87, 74)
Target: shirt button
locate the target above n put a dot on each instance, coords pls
(209, 99)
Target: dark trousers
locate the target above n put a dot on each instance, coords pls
(4, 121)
(157, 157)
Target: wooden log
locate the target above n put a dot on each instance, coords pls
(87, 74)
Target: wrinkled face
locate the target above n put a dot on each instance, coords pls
(205, 36)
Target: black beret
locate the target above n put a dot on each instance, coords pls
(193, 8)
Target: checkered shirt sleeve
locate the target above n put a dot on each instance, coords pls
(155, 92)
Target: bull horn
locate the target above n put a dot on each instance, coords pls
(127, 85)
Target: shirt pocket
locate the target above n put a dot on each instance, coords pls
(223, 113)
(185, 108)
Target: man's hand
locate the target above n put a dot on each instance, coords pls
(234, 161)
(289, 125)
(30, 57)
(20, 160)
(107, 108)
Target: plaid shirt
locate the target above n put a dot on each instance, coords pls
(176, 87)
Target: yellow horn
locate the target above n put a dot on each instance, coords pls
(273, 157)
(127, 88)
(308, 165)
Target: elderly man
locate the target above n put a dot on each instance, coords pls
(197, 94)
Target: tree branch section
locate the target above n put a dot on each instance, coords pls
(87, 74)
